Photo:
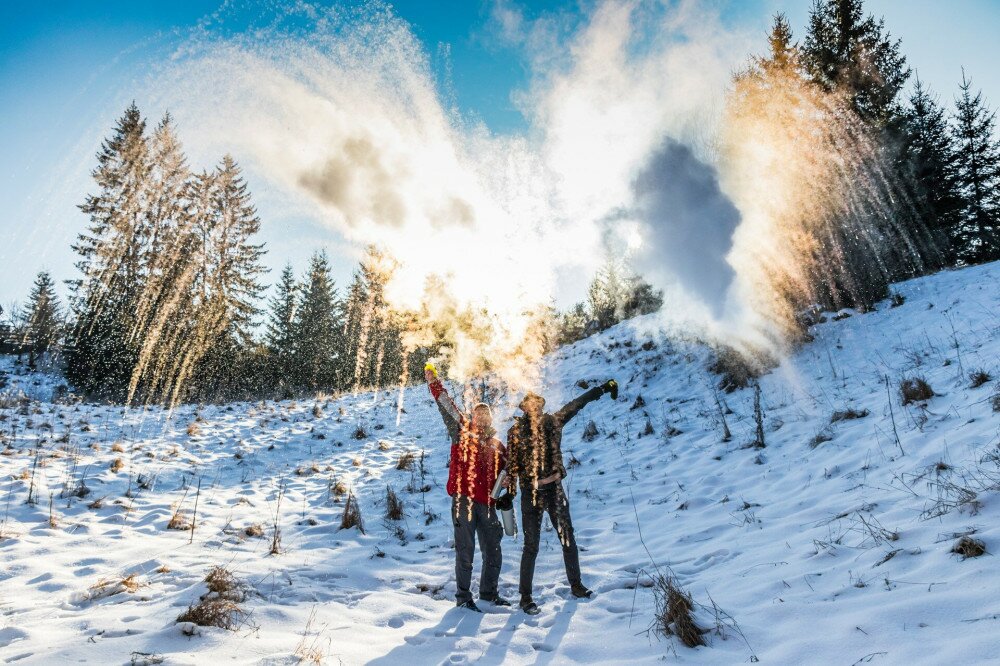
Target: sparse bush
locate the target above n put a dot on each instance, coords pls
(178, 521)
(648, 429)
(255, 530)
(896, 300)
(821, 437)
(117, 465)
(979, 377)
(359, 432)
(915, 389)
(222, 582)
(848, 414)
(968, 547)
(352, 515)
(639, 403)
(118, 447)
(737, 370)
(214, 612)
(384, 445)
(590, 431)
(406, 460)
(393, 505)
(673, 612)
(193, 429)
(317, 411)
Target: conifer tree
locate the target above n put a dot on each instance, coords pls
(928, 151)
(279, 337)
(978, 176)
(43, 328)
(317, 328)
(104, 300)
(854, 54)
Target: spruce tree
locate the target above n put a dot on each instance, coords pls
(43, 329)
(928, 151)
(317, 328)
(854, 54)
(104, 300)
(279, 336)
(978, 237)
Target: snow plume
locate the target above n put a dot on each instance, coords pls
(341, 105)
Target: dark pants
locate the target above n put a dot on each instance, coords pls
(472, 519)
(551, 499)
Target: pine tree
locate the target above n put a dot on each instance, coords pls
(279, 336)
(43, 329)
(606, 295)
(317, 327)
(104, 300)
(854, 54)
(227, 284)
(978, 176)
(928, 151)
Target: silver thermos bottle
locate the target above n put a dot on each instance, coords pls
(505, 504)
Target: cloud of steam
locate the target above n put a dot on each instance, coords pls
(687, 225)
(343, 118)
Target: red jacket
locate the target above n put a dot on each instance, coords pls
(476, 458)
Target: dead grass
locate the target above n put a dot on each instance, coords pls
(117, 465)
(673, 612)
(179, 521)
(995, 401)
(979, 377)
(848, 414)
(117, 447)
(255, 530)
(915, 389)
(968, 547)
(215, 612)
(193, 429)
(393, 505)
(359, 433)
(590, 432)
(406, 461)
(352, 515)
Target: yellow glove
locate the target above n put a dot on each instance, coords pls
(430, 372)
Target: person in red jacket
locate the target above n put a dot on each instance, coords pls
(477, 457)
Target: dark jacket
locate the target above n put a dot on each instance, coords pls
(534, 445)
(476, 459)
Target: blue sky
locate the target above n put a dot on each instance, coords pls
(61, 63)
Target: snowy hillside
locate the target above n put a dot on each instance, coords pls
(830, 545)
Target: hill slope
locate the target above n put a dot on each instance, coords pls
(832, 543)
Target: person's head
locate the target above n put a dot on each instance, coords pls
(532, 404)
(482, 417)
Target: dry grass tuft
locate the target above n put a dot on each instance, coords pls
(979, 377)
(393, 505)
(117, 447)
(214, 612)
(590, 432)
(848, 414)
(673, 612)
(406, 461)
(255, 530)
(193, 429)
(995, 401)
(915, 389)
(384, 445)
(352, 515)
(117, 465)
(359, 432)
(178, 521)
(968, 547)
(222, 582)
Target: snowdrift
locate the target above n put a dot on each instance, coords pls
(831, 544)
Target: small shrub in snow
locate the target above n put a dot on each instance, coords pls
(214, 612)
(915, 389)
(317, 411)
(648, 429)
(590, 431)
(193, 429)
(178, 521)
(995, 400)
(393, 505)
(821, 437)
(256, 530)
(979, 377)
(639, 403)
(384, 445)
(848, 414)
(359, 432)
(969, 547)
(896, 300)
(406, 460)
(117, 465)
(352, 515)
(673, 612)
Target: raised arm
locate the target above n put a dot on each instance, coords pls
(571, 408)
(450, 413)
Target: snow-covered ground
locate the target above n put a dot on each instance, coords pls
(830, 545)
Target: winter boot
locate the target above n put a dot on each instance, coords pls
(470, 605)
(496, 601)
(529, 607)
(580, 592)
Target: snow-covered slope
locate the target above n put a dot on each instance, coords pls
(830, 545)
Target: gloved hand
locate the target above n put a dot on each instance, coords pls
(611, 386)
(430, 373)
